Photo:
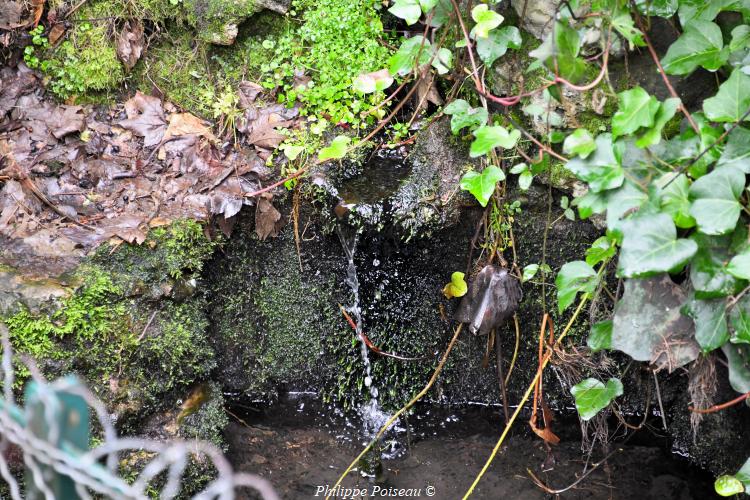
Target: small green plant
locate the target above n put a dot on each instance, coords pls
(226, 109)
(38, 41)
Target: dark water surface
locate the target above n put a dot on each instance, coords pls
(301, 446)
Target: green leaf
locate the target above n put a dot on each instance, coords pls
(559, 53)
(731, 101)
(601, 336)
(701, 44)
(739, 320)
(650, 245)
(744, 473)
(601, 249)
(457, 287)
(667, 109)
(529, 272)
(408, 10)
(728, 486)
(427, 5)
(622, 201)
(488, 137)
(736, 151)
(497, 43)
(738, 361)
(740, 37)
(405, 58)
(592, 396)
(519, 169)
(574, 277)
(709, 273)
(580, 143)
(368, 83)
(590, 203)
(600, 170)
(482, 185)
(462, 115)
(336, 150)
(486, 20)
(443, 61)
(714, 200)
(648, 324)
(707, 10)
(623, 23)
(739, 266)
(525, 180)
(637, 109)
(710, 318)
(659, 8)
(675, 200)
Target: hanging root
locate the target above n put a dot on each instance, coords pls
(524, 400)
(701, 387)
(406, 407)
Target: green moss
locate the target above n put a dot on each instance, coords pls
(91, 321)
(85, 63)
(211, 16)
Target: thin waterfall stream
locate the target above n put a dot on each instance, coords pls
(373, 417)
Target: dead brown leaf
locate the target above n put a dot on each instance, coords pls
(56, 33)
(185, 124)
(145, 118)
(267, 219)
(248, 91)
(130, 43)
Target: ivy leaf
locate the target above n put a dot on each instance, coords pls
(650, 245)
(482, 185)
(592, 396)
(497, 43)
(648, 325)
(462, 115)
(368, 83)
(714, 196)
(427, 5)
(637, 109)
(709, 273)
(666, 111)
(525, 180)
(441, 12)
(675, 201)
(731, 101)
(739, 320)
(336, 150)
(600, 336)
(529, 272)
(701, 44)
(710, 318)
(486, 20)
(623, 23)
(691, 10)
(740, 37)
(659, 8)
(457, 287)
(488, 137)
(559, 53)
(728, 486)
(601, 170)
(574, 277)
(580, 143)
(408, 10)
(738, 361)
(590, 203)
(736, 151)
(405, 58)
(739, 266)
(443, 61)
(623, 200)
(601, 249)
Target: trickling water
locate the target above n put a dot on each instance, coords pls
(373, 417)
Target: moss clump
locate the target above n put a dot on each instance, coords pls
(85, 63)
(212, 17)
(91, 321)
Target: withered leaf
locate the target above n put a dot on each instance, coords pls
(145, 118)
(130, 43)
(267, 219)
(248, 91)
(185, 124)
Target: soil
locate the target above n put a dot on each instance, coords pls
(302, 447)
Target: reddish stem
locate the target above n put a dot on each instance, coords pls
(723, 406)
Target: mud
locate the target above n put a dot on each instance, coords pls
(302, 447)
